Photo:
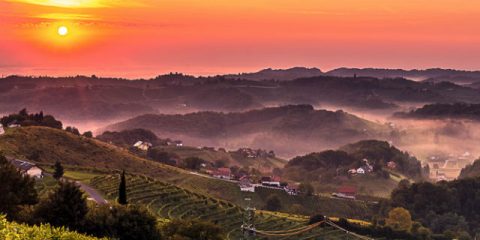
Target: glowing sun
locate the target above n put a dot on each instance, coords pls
(62, 31)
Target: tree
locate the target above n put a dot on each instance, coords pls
(66, 206)
(16, 189)
(122, 190)
(88, 134)
(73, 130)
(399, 219)
(122, 222)
(273, 203)
(194, 163)
(306, 189)
(192, 229)
(58, 170)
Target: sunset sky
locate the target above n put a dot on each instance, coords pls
(144, 38)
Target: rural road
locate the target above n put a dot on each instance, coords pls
(92, 193)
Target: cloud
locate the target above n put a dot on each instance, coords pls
(81, 3)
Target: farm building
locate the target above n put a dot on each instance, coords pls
(142, 145)
(222, 173)
(346, 192)
(27, 168)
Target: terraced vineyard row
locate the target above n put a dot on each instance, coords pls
(171, 202)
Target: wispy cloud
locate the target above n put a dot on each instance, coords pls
(67, 16)
(81, 3)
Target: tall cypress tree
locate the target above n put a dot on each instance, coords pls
(58, 170)
(122, 190)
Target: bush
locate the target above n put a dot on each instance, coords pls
(192, 230)
(15, 231)
(122, 222)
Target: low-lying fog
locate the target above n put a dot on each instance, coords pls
(432, 141)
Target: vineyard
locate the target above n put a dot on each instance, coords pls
(170, 202)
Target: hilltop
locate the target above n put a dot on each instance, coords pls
(374, 167)
(300, 127)
(430, 75)
(278, 74)
(471, 170)
(442, 111)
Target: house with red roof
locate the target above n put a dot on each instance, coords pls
(347, 192)
(222, 173)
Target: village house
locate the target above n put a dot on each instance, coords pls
(346, 192)
(271, 181)
(392, 165)
(222, 173)
(27, 168)
(246, 185)
(142, 145)
(360, 171)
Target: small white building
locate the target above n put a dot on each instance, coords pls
(2, 131)
(142, 145)
(28, 168)
(360, 171)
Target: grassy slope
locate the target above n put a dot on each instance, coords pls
(212, 156)
(80, 152)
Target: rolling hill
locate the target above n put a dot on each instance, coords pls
(45, 146)
(81, 100)
(444, 111)
(383, 165)
(300, 127)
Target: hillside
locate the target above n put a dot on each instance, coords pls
(443, 111)
(47, 145)
(383, 167)
(471, 170)
(300, 127)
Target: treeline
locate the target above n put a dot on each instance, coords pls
(444, 110)
(448, 208)
(471, 170)
(23, 118)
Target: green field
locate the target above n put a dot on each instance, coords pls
(168, 201)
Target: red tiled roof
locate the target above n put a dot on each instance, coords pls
(347, 189)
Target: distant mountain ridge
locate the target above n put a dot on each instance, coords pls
(278, 74)
(431, 75)
(107, 100)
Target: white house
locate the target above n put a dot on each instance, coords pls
(360, 171)
(2, 131)
(246, 185)
(142, 145)
(28, 168)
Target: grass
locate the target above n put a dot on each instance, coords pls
(171, 202)
(212, 155)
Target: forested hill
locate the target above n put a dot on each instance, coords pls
(442, 111)
(300, 127)
(471, 170)
(352, 156)
(91, 98)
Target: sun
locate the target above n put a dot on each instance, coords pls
(62, 31)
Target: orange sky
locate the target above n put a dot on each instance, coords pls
(144, 38)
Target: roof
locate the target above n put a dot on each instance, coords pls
(347, 189)
(223, 171)
(22, 165)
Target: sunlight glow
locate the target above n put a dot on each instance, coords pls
(62, 31)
